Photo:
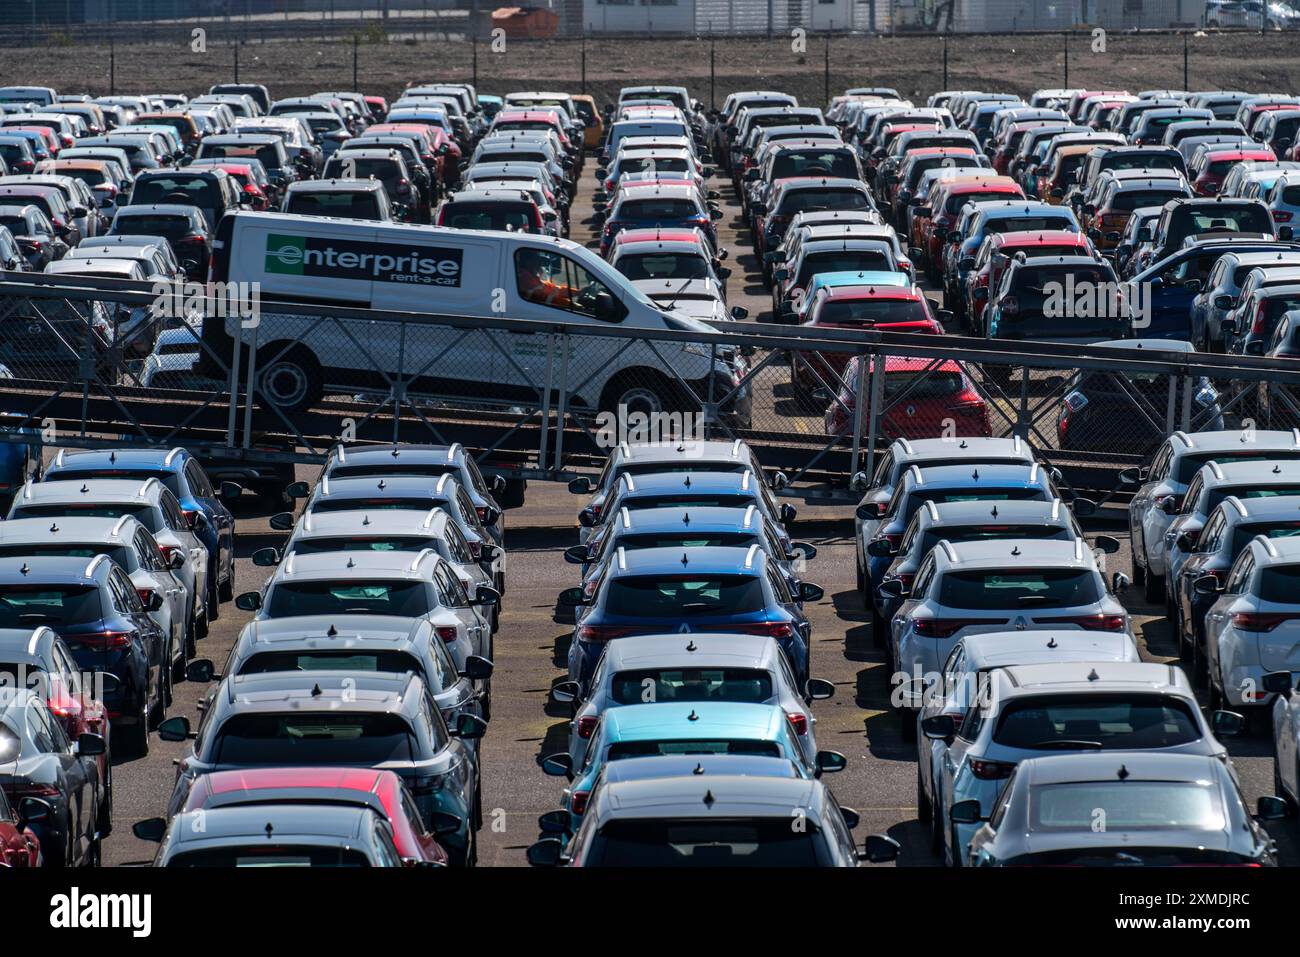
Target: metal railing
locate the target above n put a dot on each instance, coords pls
(95, 362)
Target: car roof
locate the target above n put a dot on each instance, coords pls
(324, 691)
(687, 797)
(697, 765)
(975, 475)
(1101, 676)
(1105, 766)
(87, 490)
(1001, 513)
(70, 528)
(999, 553)
(1007, 648)
(694, 650)
(330, 631)
(361, 565)
(379, 521)
(691, 518)
(46, 568)
(32, 643)
(311, 823)
(705, 560)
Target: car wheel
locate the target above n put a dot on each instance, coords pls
(191, 643)
(213, 607)
(176, 670)
(226, 590)
(861, 578)
(136, 736)
(1153, 587)
(291, 382)
(1199, 658)
(200, 626)
(1139, 573)
(159, 710)
(642, 390)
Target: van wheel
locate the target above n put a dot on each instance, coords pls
(291, 382)
(640, 390)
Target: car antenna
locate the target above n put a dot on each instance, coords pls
(686, 518)
(383, 484)
(691, 645)
(332, 632)
(25, 569)
(84, 488)
(708, 799)
(685, 560)
(976, 475)
(269, 830)
(693, 716)
(112, 457)
(1051, 642)
(351, 564)
(315, 691)
(1123, 772)
(699, 769)
(1015, 550)
(687, 483)
(365, 520)
(994, 513)
(1093, 676)
(54, 526)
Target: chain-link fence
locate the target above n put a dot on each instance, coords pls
(543, 399)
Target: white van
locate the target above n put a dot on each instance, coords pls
(423, 269)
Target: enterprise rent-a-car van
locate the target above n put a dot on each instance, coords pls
(321, 261)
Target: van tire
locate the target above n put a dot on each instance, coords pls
(641, 390)
(291, 382)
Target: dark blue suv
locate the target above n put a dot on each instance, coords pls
(204, 507)
(681, 590)
(93, 606)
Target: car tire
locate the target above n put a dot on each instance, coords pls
(879, 627)
(641, 390)
(1199, 660)
(157, 713)
(191, 642)
(292, 381)
(1153, 588)
(213, 605)
(924, 810)
(907, 718)
(226, 590)
(861, 578)
(1139, 573)
(176, 670)
(135, 737)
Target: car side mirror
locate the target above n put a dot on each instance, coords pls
(981, 294)
(571, 598)
(1083, 507)
(154, 603)
(1270, 808)
(445, 824)
(879, 849)
(282, 521)
(880, 548)
(230, 491)
(868, 511)
(150, 829)
(1207, 586)
(1224, 302)
(587, 518)
(566, 692)
(1228, 327)
(1286, 233)
(810, 592)
(486, 596)
(468, 727)
(297, 490)
(555, 822)
(894, 588)
(787, 513)
(1119, 582)
(966, 812)
(91, 745)
(559, 765)
(577, 555)
(1106, 544)
(818, 689)
(248, 601)
(830, 762)
(266, 557)
(939, 727)
(200, 671)
(1131, 476)
(580, 485)
(1278, 682)
(802, 550)
(175, 729)
(477, 668)
(548, 852)
(966, 263)
(1227, 724)
(1187, 541)
(781, 275)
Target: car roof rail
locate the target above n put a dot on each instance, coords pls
(171, 456)
(93, 565)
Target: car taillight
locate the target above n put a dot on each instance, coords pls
(482, 513)
(26, 789)
(193, 240)
(578, 801)
(968, 400)
(191, 514)
(1257, 327)
(1087, 622)
(798, 721)
(146, 595)
(1259, 622)
(990, 770)
(596, 510)
(586, 726)
(476, 551)
(447, 633)
(26, 165)
(1281, 216)
(772, 629)
(947, 627)
(601, 632)
(105, 640)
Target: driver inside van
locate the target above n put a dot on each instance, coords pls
(534, 270)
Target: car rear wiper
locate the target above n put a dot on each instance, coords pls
(1037, 600)
(1066, 744)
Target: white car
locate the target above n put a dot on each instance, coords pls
(647, 669)
(1029, 711)
(1254, 626)
(1002, 585)
(1165, 481)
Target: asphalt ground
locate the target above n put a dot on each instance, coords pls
(880, 781)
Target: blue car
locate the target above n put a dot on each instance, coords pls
(204, 507)
(680, 590)
(667, 729)
(18, 460)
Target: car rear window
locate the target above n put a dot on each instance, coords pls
(921, 385)
(664, 266)
(1280, 583)
(364, 543)
(386, 662)
(167, 477)
(1216, 496)
(413, 502)
(640, 749)
(686, 539)
(980, 533)
(956, 202)
(1132, 199)
(1008, 588)
(1242, 534)
(1189, 465)
(26, 606)
(867, 312)
(407, 599)
(515, 216)
(118, 553)
(671, 596)
(197, 190)
(352, 167)
(940, 496)
(1129, 806)
(271, 855)
(355, 740)
(701, 500)
(148, 224)
(146, 515)
(1071, 722)
(267, 155)
(806, 200)
(1029, 224)
(359, 205)
(707, 843)
(849, 260)
(750, 685)
(656, 209)
(814, 163)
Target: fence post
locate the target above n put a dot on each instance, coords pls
(1186, 85)
(770, 14)
(1066, 39)
(563, 404)
(1186, 417)
(877, 394)
(858, 409)
(356, 49)
(546, 402)
(1169, 405)
(1022, 413)
(234, 381)
(945, 63)
(248, 404)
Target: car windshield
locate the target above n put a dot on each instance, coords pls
(271, 854)
(407, 599)
(342, 203)
(1007, 588)
(707, 843)
(1281, 584)
(751, 685)
(362, 543)
(671, 596)
(868, 312)
(354, 740)
(25, 606)
(144, 514)
(664, 266)
(1118, 721)
(1129, 806)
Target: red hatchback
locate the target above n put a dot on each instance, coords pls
(381, 790)
(874, 308)
(922, 400)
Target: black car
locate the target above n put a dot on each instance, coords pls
(36, 236)
(184, 227)
(214, 191)
(93, 606)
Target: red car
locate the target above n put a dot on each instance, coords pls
(1001, 248)
(1212, 167)
(438, 151)
(951, 197)
(19, 847)
(381, 790)
(920, 401)
(877, 308)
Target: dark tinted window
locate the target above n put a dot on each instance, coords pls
(1242, 534)
(1189, 465)
(751, 685)
(147, 516)
(374, 543)
(170, 227)
(640, 749)
(854, 312)
(26, 606)
(685, 539)
(347, 205)
(1048, 588)
(976, 533)
(656, 209)
(669, 596)
(397, 662)
(357, 740)
(665, 265)
(711, 843)
(271, 855)
(119, 554)
(495, 215)
(702, 500)
(1113, 721)
(351, 504)
(805, 200)
(1280, 583)
(408, 599)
